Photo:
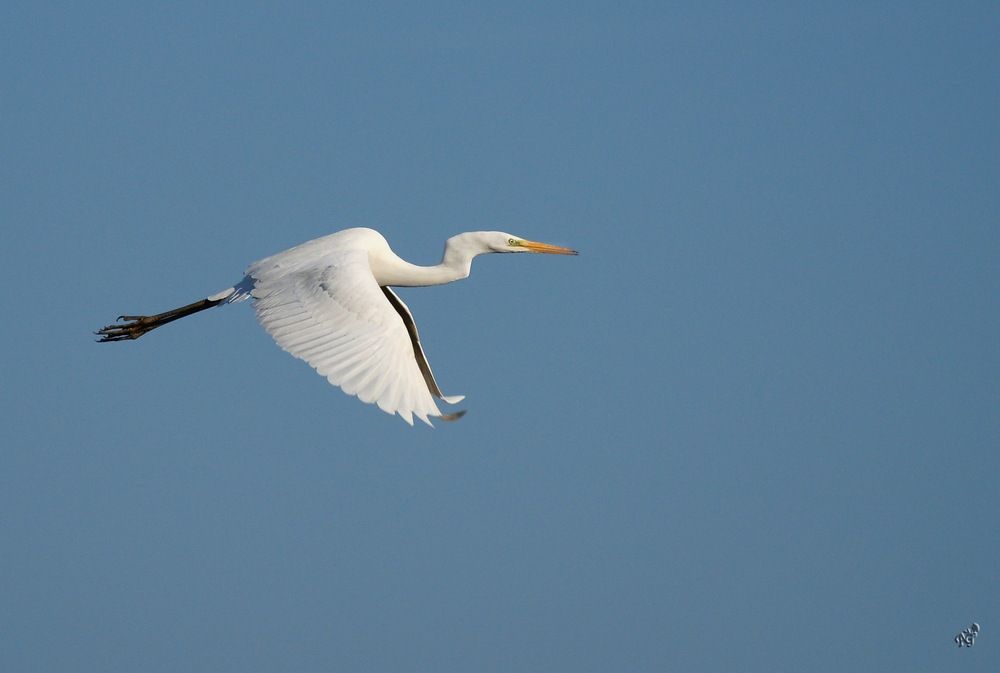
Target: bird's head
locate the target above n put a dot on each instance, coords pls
(459, 250)
(498, 241)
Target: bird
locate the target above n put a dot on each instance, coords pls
(330, 302)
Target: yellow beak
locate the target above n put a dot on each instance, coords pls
(532, 246)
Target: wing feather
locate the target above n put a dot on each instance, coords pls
(333, 315)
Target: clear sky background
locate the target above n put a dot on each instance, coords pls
(754, 426)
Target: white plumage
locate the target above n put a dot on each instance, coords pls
(329, 302)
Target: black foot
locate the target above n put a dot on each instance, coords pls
(136, 326)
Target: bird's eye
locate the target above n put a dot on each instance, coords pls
(511, 241)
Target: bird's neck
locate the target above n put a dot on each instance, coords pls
(411, 275)
(456, 263)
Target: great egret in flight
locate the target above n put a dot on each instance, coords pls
(329, 302)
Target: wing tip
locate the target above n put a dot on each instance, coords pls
(448, 418)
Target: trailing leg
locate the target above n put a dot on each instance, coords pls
(137, 325)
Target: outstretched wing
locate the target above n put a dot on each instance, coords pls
(335, 316)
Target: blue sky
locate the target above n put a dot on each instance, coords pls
(754, 426)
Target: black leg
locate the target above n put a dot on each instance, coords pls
(137, 325)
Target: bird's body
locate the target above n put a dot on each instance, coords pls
(328, 302)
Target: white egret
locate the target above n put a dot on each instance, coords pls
(328, 302)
